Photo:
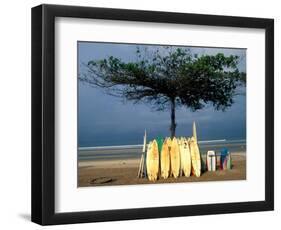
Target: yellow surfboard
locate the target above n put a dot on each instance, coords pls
(195, 157)
(180, 143)
(165, 159)
(169, 141)
(185, 157)
(175, 158)
(152, 161)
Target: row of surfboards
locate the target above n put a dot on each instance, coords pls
(172, 157)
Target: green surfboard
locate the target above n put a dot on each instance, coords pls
(160, 142)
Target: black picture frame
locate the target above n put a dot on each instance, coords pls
(43, 114)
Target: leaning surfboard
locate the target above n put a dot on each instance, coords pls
(185, 157)
(180, 143)
(152, 161)
(195, 157)
(211, 161)
(229, 162)
(175, 158)
(160, 142)
(165, 159)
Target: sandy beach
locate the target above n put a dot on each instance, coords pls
(124, 172)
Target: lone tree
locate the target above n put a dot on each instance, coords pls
(169, 78)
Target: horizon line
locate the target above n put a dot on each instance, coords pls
(141, 145)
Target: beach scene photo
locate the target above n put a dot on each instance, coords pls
(150, 114)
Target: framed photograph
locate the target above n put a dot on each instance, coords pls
(142, 114)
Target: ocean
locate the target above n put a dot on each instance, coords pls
(135, 151)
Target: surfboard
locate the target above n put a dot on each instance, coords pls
(160, 142)
(223, 158)
(194, 133)
(229, 162)
(211, 161)
(144, 142)
(195, 157)
(175, 158)
(152, 161)
(165, 159)
(180, 143)
(169, 140)
(185, 157)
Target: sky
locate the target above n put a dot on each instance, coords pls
(104, 120)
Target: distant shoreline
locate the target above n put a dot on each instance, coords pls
(81, 161)
(134, 152)
(130, 161)
(203, 142)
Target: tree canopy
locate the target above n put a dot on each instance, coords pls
(169, 78)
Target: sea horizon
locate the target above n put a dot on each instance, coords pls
(134, 151)
(201, 142)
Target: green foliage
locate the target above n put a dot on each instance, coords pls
(166, 76)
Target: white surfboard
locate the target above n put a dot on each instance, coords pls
(194, 132)
(211, 161)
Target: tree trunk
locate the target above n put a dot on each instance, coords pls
(173, 118)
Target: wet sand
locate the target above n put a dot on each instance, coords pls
(124, 172)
